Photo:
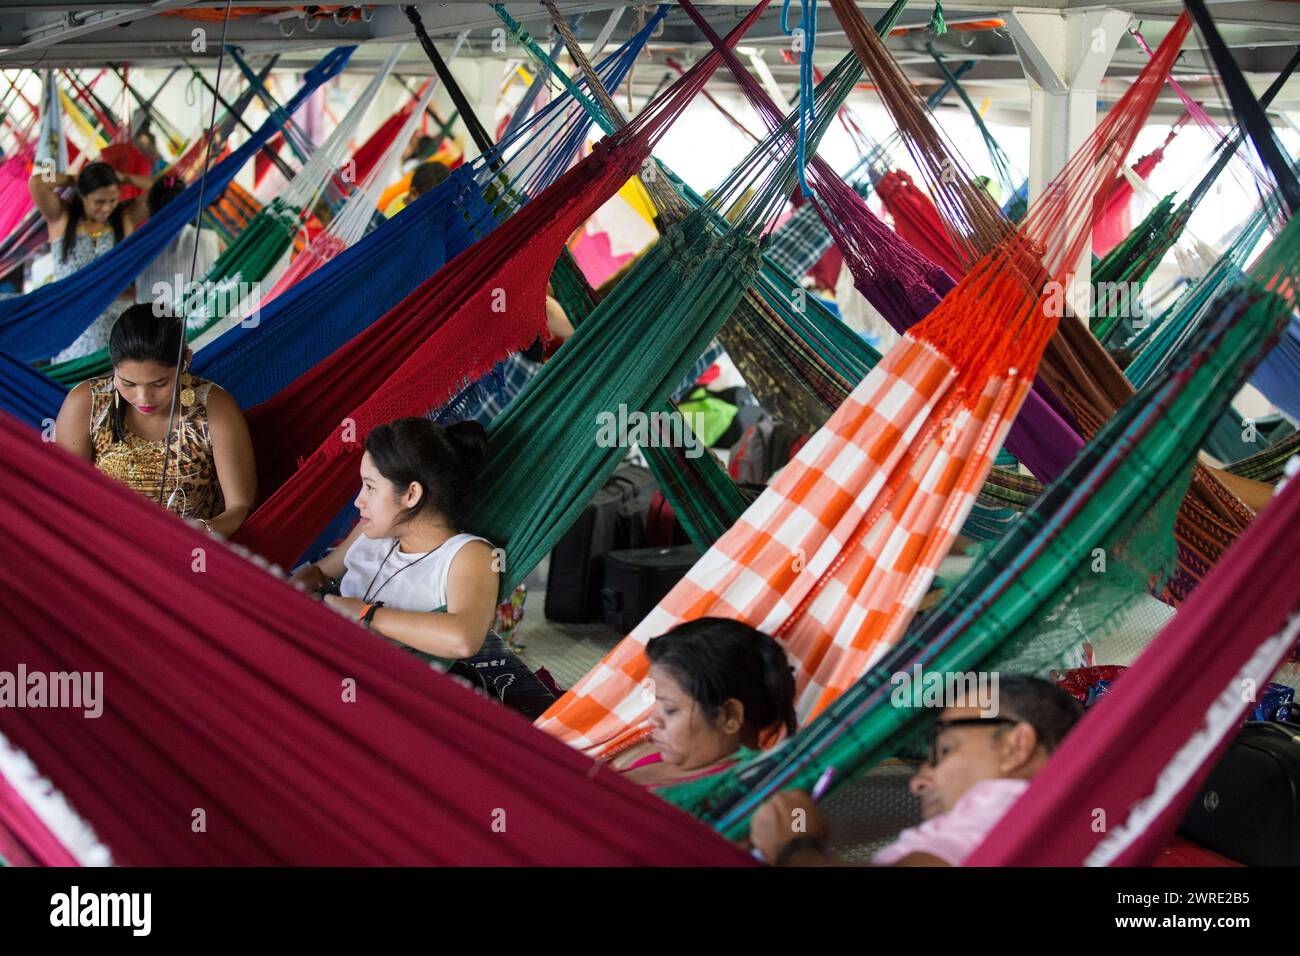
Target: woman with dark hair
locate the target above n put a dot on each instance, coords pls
(165, 279)
(719, 686)
(407, 570)
(121, 423)
(83, 229)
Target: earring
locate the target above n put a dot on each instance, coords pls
(187, 390)
(117, 401)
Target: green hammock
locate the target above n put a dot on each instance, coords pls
(1013, 609)
(704, 498)
(1128, 266)
(1155, 344)
(1267, 465)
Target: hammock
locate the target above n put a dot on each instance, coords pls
(15, 197)
(1075, 368)
(1009, 613)
(837, 553)
(229, 291)
(899, 282)
(446, 317)
(1133, 261)
(27, 394)
(917, 220)
(41, 323)
(320, 314)
(241, 696)
(1142, 773)
(1114, 224)
(358, 212)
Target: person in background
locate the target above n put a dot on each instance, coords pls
(420, 147)
(120, 424)
(978, 767)
(158, 281)
(424, 180)
(719, 685)
(82, 229)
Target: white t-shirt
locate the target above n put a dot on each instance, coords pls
(406, 581)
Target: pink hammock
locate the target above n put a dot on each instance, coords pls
(15, 198)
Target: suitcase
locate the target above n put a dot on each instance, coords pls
(1249, 807)
(615, 518)
(662, 529)
(636, 580)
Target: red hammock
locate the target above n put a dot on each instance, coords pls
(1116, 222)
(487, 302)
(1143, 753)
(917, 220)
(227, 691)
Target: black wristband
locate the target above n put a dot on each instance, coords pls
(369, 618)
(798, 843)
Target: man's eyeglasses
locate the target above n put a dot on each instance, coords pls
(939, 726)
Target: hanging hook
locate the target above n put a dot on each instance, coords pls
(311, 24)
(341, 16)
(286, 34)
(367, 14)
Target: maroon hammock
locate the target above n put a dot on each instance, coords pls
(484, 304)
(244, 723)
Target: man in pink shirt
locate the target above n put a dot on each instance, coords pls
(978, 766)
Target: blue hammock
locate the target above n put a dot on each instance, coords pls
(47, 320)
(27, 394)
(1278, 376)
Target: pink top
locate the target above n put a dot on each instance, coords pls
(658, 758)
(954, 835)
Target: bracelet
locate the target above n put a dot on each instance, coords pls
(368, 613)
(798, 843)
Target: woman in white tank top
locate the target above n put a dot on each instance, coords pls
(407, 571)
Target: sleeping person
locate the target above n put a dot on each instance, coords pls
(719, 686)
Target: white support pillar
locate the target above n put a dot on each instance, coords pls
(1065, 55)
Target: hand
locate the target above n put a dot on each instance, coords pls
(348, 607)
(310, 579)
(789, 814)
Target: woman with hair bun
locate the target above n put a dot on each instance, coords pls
(409, 573)
(720, 686)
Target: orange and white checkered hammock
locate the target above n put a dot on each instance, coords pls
(836, 555)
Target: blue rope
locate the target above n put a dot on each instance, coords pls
(807, 84)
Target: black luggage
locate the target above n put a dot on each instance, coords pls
(636, 580)
(1249, 808)
(614, 519)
